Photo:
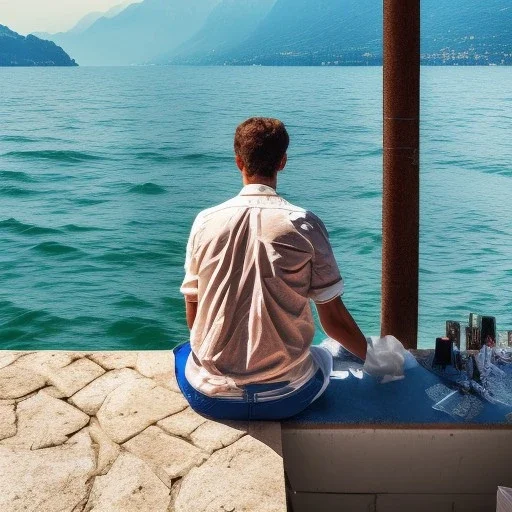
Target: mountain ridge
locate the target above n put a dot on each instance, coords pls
(228, 25)
(349, 32)
(138, 33)
(18, 50)
(289, 32)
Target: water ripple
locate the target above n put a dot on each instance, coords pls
(63, 156)
(148, 189)
(13, 191)
(55, 248)
(25, 229)
(16, 176)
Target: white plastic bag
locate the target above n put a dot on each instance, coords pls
(344, 363)
(504, 499)
(387, 358)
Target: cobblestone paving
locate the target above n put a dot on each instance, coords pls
(110, 431)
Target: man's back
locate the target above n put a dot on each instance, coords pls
(253, 263)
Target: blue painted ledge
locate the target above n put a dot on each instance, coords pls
(353, 401)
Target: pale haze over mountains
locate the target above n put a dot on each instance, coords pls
(84, 23)
(137, 34)
(51, 16)
(227, 26)
(285, 32)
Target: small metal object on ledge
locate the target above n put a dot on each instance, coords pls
(443, 355)
(453, 332)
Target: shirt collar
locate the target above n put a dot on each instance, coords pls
(257, 189)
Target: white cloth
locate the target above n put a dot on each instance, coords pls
(387, 358)
(252, 264)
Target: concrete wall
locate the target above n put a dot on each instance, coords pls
(383, 470)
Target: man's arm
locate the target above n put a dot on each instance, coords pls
(340, 326)
(191, 308)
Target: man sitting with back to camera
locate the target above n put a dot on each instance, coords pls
(252, 265)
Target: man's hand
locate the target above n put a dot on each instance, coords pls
(339, 325)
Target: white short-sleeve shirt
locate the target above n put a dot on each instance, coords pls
(252, 265)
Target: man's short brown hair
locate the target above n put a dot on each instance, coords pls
(261, 142)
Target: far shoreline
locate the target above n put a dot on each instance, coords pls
(423, 65)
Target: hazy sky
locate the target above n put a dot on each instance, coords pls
(25, 16)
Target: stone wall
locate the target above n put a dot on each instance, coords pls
(110, 431)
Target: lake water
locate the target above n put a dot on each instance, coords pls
(102, 171)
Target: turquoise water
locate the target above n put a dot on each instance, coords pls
(103, 169)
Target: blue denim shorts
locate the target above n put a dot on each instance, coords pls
(246, 407)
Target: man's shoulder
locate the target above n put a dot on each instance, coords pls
(308, 217)
(212, 210)
(203, 216)
(313, 217)
(294, 211)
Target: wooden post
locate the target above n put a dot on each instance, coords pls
(400, 207)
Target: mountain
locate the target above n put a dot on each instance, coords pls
(302, 32)
(287, 32)
(17, 50)
(85, 22)
(138, 33)
(466, 32)
(227, 26)
(349, 32)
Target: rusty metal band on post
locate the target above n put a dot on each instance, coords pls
(400, 207)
